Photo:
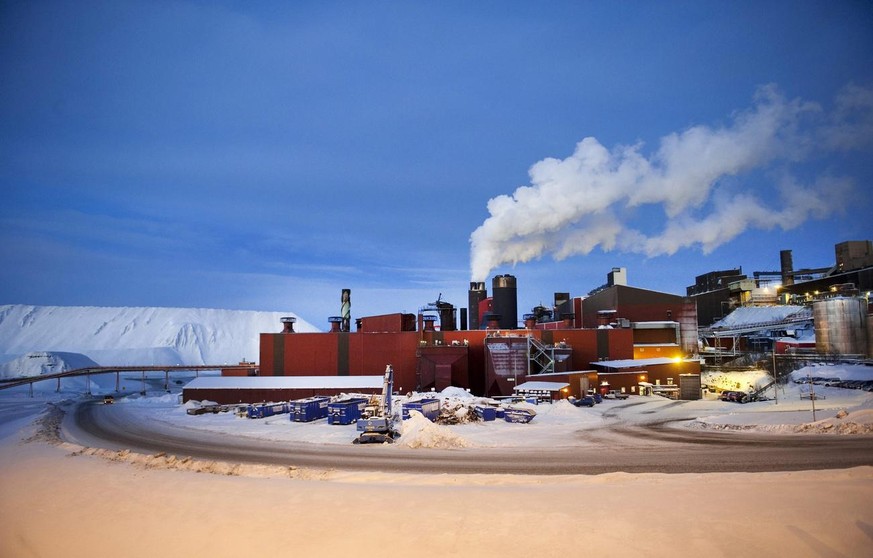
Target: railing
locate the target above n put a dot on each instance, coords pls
(87, 372)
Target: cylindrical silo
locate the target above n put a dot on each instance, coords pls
(505, 300)
(841, 325)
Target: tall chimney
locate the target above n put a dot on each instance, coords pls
(505, 300)
(787, 268)
(476, 295)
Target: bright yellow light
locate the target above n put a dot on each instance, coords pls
(677, 359)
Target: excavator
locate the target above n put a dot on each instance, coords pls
(376, 425)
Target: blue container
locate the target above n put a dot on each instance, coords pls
(500, 412)
(263, 410)
(486, 413)
(309, 409)
(518, 414)
(430, 408)
(346, 411)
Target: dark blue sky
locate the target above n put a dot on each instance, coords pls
(266, 155)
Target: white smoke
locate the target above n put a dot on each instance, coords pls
(588, 200)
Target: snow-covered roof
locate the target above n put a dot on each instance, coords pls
(632, 363)
(752, 315)
(541, 386)
(286, 382)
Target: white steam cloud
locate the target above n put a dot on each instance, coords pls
(589, 199)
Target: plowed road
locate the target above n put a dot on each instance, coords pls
(653, 448)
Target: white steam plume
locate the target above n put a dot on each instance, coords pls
(577, 204)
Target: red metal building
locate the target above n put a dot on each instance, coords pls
(435, 359)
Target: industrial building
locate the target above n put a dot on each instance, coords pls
(617, 337)
(718, 293)
(782, 311)
(497, 352)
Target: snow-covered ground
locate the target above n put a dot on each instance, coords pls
(137, 505)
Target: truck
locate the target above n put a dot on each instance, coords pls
(376, 425)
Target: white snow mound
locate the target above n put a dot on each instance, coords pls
(122, 335)
(43, 362)
(418, 432)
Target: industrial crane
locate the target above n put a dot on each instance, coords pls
(376, 424)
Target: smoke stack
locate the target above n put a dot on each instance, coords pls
(505, 300)
(492, 321)
(428, 321)
(335, 323)
(288, 324)
(787, 268)
(346, 309)
(476, 295)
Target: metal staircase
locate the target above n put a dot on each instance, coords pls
(540, 359)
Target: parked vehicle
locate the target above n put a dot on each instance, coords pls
(735, 396)
(585, 401)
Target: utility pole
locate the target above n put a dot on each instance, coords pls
(811, 394)
(775, 377)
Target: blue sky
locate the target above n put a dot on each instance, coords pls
(266, 155)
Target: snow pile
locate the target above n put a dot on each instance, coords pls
(119, 336)
(561, 408)
(418, 432)
(452, 392)
(43, 362)
(844, 422)
(852, 372)
(165, 399)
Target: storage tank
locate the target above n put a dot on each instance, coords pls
(505, 300)
(841, 325)
(869, 332)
